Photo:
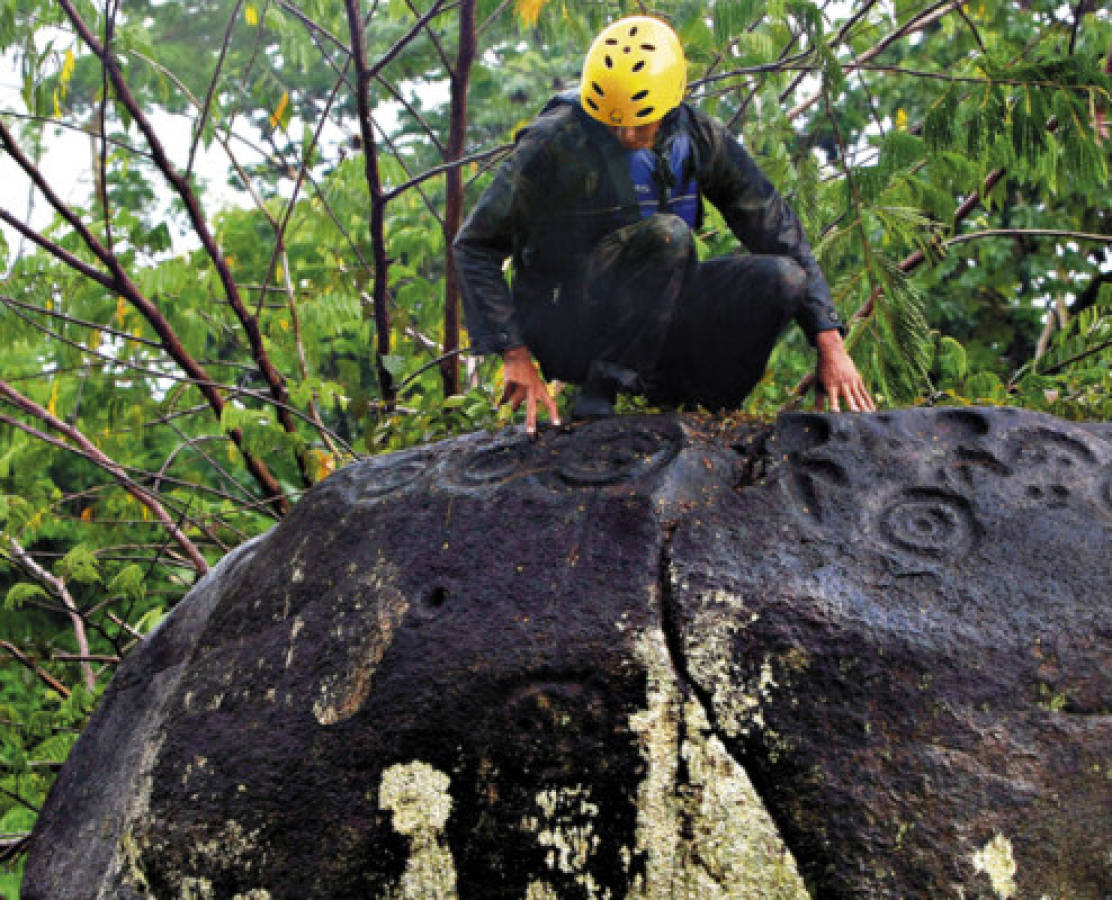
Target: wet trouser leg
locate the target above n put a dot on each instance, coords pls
(634, 281)
(729, 317)
(652, 319)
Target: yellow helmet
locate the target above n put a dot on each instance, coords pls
(634, 72)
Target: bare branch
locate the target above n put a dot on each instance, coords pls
(374, 183)
(1029, 232)
(57, 587)
(185, 192)
(494, 152)
(45, 677)
(917, 23)
(85, 448)
(213, 82)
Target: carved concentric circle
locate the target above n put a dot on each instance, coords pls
(611, 451)
(492, 465)
(379, 478)
(929, 522)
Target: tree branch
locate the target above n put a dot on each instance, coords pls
(45, 677)
(364, 74)
(57, 587)
(88, 451)
(181, 186)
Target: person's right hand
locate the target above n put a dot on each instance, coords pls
(524, 383)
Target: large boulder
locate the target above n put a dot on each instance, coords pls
(495, 668)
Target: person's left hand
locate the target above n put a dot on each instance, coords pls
(838, 378)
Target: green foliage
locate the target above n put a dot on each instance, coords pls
(877, 167)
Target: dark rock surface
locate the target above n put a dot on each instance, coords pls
(491, 668)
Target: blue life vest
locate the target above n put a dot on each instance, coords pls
(659, 183)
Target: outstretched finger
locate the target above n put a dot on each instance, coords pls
(531, 413)
(865, 398)
(550, 405)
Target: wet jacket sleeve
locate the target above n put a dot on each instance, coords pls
(760, 218)
(487, 239)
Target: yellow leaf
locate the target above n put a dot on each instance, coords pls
(57, 105)
(94, 340)
(529, 11)
(326, 464)
(231, 453)
(121, 310)
(279, 115)
(52, 403)
(284, 324)
(251, 14)
(901, 119)
(87, 514)
(68, 65)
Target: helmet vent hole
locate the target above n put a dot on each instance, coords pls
(591, 103)
(612, 42)
(633, 31)
(640, 95)
(597, 89)
(626, 49)
(649, 47)
(609, 62)
(639, 65)
(647, 111)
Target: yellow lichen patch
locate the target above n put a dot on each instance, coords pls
(126, 866)
(417, 796)
(343, 693)
(564, 826)
(231, 846)
(710, 837)
(195, 889)
(996, 860)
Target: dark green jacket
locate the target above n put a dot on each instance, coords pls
(567, 184)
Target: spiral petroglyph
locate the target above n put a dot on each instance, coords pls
(929, 522)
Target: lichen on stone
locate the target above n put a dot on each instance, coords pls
(417, 796)
(996, 860)
(710, 836)
(343, 692)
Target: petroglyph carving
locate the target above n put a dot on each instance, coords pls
(493, 465)
(1050, 451)
(812, 478)
(930, 522)
(606, 453)
(379, 478)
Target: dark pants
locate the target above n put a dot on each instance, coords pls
(661, 323)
